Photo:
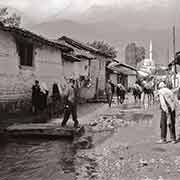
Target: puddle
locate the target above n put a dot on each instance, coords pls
(133, 106)
(159, 149)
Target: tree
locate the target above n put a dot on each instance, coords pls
(134, 54)
(130, 54)
(140, 54)
(9, 20)
(104, 47)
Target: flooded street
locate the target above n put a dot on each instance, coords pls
(122, 148)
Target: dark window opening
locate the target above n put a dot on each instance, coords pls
(25, 51)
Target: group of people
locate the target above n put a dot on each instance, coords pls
(110, 90)
(166, 98)
(68, 96)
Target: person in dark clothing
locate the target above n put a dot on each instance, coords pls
(112, 88)
(108, 90)
(70, 104)
(56, 100)
(164, 124)
(178, 94)
(55, 92)
(36, 97)
(43, 96)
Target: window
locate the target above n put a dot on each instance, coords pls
(25, 51)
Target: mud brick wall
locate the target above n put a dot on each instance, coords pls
(16, 82)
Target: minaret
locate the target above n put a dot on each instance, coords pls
(150, 50)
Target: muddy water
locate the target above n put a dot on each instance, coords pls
(25, 159)
(28, 159)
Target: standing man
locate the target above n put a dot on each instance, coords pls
(35, 97)
(70, 104)
(112, 88)
(167, 105)
(108, 90)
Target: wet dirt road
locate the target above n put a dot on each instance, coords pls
(131, 151)
(123, 147)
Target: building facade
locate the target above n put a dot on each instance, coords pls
(123, 73)
(24, 58)
(91, 67)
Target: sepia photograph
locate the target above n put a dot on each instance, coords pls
(89, 89)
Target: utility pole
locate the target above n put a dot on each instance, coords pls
(168, 55)
(174, 54)
(167, 74)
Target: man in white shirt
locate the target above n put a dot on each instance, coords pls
(167, 105)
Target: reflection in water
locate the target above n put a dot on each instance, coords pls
(35, 160)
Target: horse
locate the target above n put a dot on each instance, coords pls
(121, 91)
(148, 90)
(137, 92)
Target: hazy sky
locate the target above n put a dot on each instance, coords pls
(49, 7)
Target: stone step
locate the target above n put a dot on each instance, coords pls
(43, 129)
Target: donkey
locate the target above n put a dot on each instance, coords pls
(121, 92)
(148, 90)
(137, 92)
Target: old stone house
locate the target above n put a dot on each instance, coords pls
(24, 57)
(89, 65)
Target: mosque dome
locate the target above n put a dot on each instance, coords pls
(147, 65)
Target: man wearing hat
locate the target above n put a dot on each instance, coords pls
(70, 103)
(167, 105)
(36, 97)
